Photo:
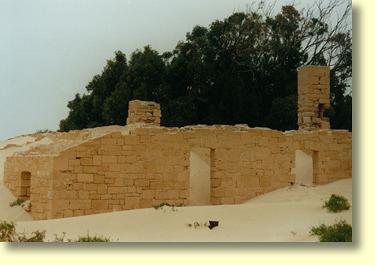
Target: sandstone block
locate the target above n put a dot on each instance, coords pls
(85, 177)
(132, 202)
(100, 204)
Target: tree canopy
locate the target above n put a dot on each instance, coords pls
(242, 69)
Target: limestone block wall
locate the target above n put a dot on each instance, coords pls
(313, 97)
(144, 112)
(331, 151)
(151, 164)
(120, 172)
(244, 162)
(39, 183)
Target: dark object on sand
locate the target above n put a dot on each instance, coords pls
(213, 224)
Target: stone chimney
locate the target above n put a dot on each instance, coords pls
(313, 97)
(144, 112)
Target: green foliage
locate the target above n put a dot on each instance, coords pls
(87, 238)
(95, 238)
(337, 203)
(242, 69)
(8, 233)
(61, 239)
(339, 232)
(16, 202)
(36, 236)
(44, 131)
(156, 207)
(161, 205)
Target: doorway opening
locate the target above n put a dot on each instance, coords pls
(200, 176)
(25, 185)
(304, 168)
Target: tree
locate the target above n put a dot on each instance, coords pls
(242, 69)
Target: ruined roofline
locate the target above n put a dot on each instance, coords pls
(45, 150)
(61, 141)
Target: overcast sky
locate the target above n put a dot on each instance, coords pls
(51, 49)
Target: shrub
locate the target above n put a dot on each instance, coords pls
(161, 205)
(7, 231)
(44, 131)
(8, 234)
(339, 232)
(16, 202)
(61, 239)
(36, 236)
(337, 203)
(89, 238)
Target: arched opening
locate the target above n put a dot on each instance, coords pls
(25, 185)
(200, 176)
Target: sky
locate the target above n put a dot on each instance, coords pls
(51, 49)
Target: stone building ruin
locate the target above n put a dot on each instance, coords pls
(142, 164)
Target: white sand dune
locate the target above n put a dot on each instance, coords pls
(281, 216)
(11, 214)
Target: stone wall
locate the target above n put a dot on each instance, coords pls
(331, 151)
(313, 97)
(120, 172)
(151, 166)
(246, 162)
(40, 169)
(143, 112)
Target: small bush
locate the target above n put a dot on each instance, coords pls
(337, 203)
(44, 131)
(36, 236)
(340, 232)
(89, 238)
(161, 205)
(8, 234)
(7, 231)
(61, 239)
(16, 202)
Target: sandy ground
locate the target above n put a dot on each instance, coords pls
(281, 216)
(11, 214)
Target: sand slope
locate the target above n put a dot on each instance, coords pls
(8, 213)
(283, 215)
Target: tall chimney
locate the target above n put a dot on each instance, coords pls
(313, 97)
(144, 112)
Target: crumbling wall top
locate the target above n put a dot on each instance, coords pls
(144, 112)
